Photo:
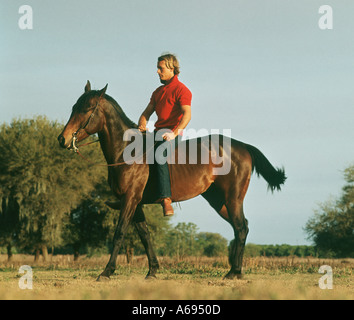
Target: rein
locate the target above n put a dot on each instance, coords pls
(76, 150)
(98, 164)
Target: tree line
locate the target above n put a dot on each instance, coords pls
(53, 201)
(282, 250)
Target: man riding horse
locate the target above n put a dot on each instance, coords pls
(172, 104)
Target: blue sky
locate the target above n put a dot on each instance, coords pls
(263, 69)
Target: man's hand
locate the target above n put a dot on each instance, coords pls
(145, 117)
(168, 136)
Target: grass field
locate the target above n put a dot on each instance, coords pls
(192, 278)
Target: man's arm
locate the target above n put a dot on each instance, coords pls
(187, 115)
(144, 118)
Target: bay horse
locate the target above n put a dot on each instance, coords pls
(134, 185)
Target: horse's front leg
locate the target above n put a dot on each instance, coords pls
(144, 234)
(126, 215)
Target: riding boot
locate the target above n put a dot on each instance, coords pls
(167, 207)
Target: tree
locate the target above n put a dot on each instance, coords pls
(180, 240)
(213, 244)
(46, 181)
(9, 223)
(184, 240)
(332, 227)
(253, 250)
(86, 227)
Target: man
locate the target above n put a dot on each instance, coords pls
(172, 104)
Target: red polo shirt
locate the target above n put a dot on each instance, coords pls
(168, 100)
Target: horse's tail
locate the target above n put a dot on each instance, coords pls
(274, 176)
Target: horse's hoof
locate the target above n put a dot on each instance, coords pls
(150, 277)
(102, 278)
(232, 275)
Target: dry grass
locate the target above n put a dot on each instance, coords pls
(191, 278)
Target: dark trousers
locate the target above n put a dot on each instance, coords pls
(162, 169)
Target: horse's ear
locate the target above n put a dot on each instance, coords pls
(88, 86)
(103, 91)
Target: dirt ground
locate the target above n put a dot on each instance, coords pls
(189, 279)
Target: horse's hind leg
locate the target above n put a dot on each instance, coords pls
(215, 196)
(231, 209)
(237, 246)
(144, 234)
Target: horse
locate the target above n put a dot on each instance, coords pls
(134, 184)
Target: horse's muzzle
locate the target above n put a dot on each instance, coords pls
(61, 140)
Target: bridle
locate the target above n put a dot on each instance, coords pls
(83, 127)
(75, 147)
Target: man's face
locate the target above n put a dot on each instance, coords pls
(164, 73)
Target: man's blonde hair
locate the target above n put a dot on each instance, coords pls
(171, 62)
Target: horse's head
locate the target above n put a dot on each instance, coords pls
(84, 119)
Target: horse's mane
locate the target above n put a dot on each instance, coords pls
(118, 109)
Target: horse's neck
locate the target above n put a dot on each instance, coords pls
(111, 136)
